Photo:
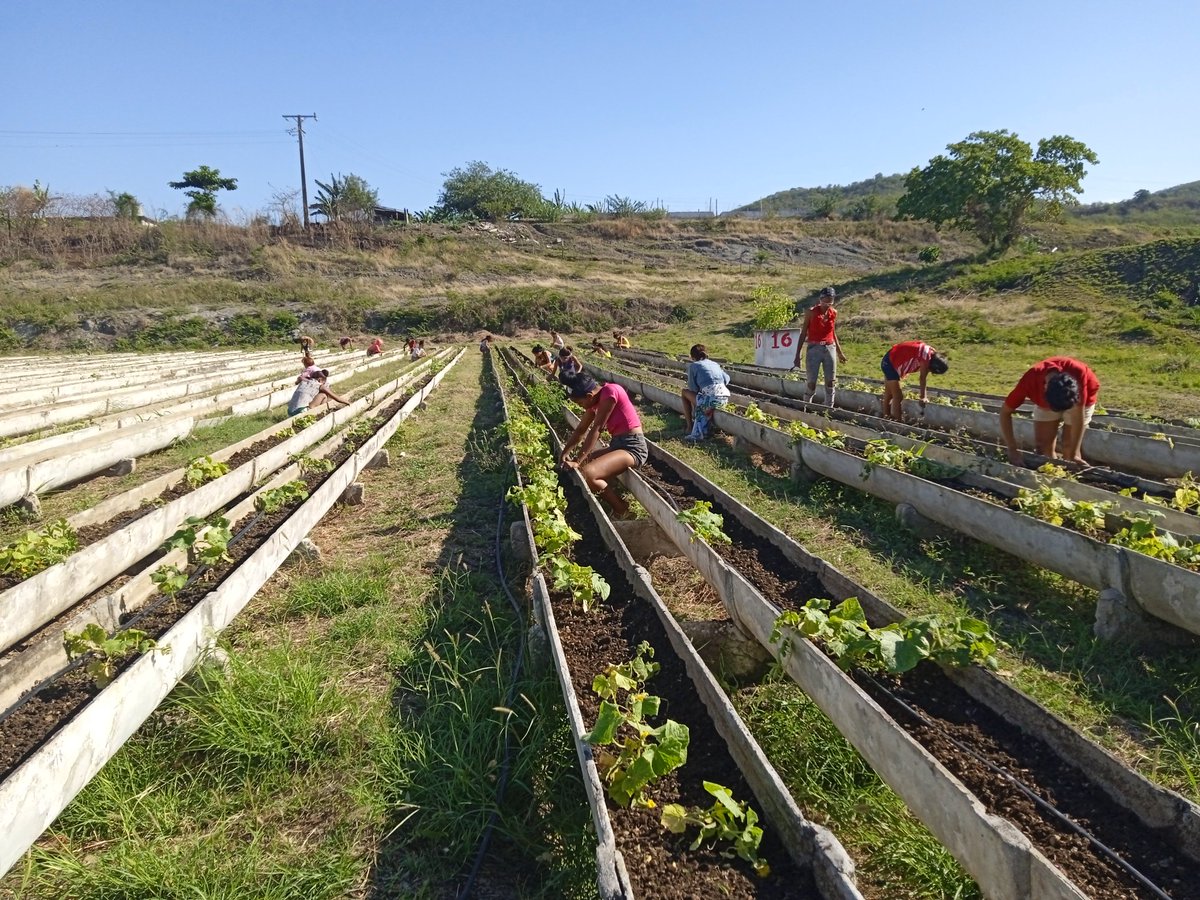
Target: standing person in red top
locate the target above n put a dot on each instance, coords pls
(904, 359)
(1062, 390)
(818, 332)
(605, 408)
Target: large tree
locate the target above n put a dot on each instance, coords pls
(478, 190)
(345, 198)
(988, 183)
(202, 185)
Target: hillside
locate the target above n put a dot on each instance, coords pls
(849, 200)
(1122, 296)
(1178, 205)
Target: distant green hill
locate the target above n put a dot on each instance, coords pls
(1179, 205)
(850, 201)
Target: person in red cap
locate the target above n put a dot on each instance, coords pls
(1062, 390)
(818, 332)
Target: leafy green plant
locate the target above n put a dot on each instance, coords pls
(1142, 535)
(299, 423)
(773, 309)
(543, 497)
(630, 753)
(1055, 471)
(885, 453)
(845, 635)
(725, 822)
(276, 498)
(828, 437)
(170, 579)
(358, 433)
(202, 470)
(583, 583)
(754, 414)
(1187, 495)
(311, 465)
(206, 542)
(105, 650)
(38, 550)
(1051, 504)
(930, 254)
(705, 523)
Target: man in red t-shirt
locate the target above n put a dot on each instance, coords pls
(1062, 390)
(818, 332)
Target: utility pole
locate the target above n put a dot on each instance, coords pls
(303, 180)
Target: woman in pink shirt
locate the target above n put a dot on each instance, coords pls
(605, 408)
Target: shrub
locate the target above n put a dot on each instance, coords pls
(773, 309)
(930, 254)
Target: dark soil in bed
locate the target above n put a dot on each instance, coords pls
(959, 716)
(659, 863)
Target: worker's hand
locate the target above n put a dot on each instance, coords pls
(841, 356)
(570, 464)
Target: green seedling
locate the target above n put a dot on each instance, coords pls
(38, 550)
(311, 465)
(299, 423)
(202, 470)
(583, 583)
(705, 523)
(1143, 536)
(631, 754)
(359, 432)
(1051, 505)
(105, 650)
(754, 414)
(726, 822)
(205, 542)
(277, 498)
(170, 579)
(827, 438)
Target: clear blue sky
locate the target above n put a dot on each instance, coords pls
(671, 101)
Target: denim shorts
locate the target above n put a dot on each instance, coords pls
(889, 371)
(633, 443)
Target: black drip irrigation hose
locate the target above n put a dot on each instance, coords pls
(506, 764)
(1045, 806)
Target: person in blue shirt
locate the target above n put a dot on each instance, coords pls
(707, 390)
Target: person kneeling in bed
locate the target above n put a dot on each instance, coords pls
(605, 408)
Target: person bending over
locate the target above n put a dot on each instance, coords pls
(311, 392)
(605, 408)
(541, 358)
(904, 359)
(1063, 390)
(707, 390)
(819, 333)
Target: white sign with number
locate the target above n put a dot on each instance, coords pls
(776, 349)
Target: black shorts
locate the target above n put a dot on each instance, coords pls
(633, 443)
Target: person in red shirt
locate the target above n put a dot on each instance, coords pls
(818, 332)
(606, 407)
(904, 359)
(375, 348)
(1062, 390)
